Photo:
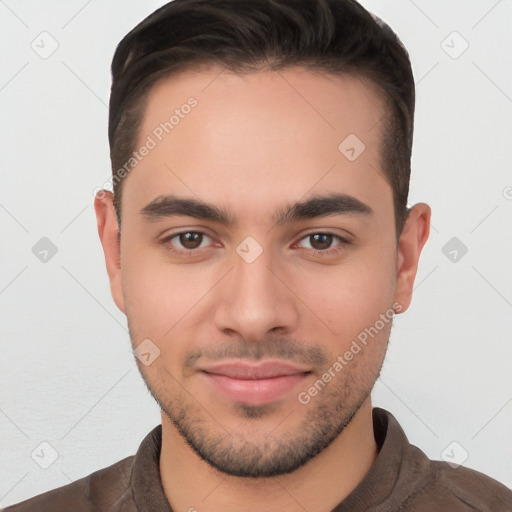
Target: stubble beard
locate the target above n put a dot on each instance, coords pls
(233, 453)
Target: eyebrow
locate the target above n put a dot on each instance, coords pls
(313, 207)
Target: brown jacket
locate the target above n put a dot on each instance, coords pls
(402, 478)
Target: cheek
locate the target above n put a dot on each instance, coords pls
(350, 297)
(160, 297)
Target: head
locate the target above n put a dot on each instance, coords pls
(261, 159)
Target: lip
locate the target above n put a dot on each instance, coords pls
(254, 384)
(264, 370)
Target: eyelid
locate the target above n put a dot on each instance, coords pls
(344, 235)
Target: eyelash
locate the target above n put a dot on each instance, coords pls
(325, 252)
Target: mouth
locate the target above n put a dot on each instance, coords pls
(254, 384)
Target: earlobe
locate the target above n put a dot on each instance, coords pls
(412, 239)
(108, 231)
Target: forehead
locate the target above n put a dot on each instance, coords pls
(258, 135)
(324, 101)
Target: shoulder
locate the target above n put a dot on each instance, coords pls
(411, 481)
(100, 490)
(470, 487)
(456, 489)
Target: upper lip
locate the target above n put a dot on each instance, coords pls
(263, 370)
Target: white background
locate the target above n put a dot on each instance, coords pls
(67, 373)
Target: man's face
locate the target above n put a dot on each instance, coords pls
(227, 303)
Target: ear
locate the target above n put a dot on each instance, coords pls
(108, 230)
(412, 239)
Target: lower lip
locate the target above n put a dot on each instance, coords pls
(254, 391)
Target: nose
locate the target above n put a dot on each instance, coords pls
(256, 299)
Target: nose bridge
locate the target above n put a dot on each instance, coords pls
(254, 300)
(253, 279)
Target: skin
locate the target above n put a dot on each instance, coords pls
(252, 145)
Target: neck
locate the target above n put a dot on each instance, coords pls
(191, 484)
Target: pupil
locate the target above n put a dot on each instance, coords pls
(190, 240)
(322, 241)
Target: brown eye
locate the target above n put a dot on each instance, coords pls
(191, 239)
(187, 243)
(321, 241)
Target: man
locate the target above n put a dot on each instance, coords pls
(259, 243)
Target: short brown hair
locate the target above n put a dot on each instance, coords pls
(335, 36)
